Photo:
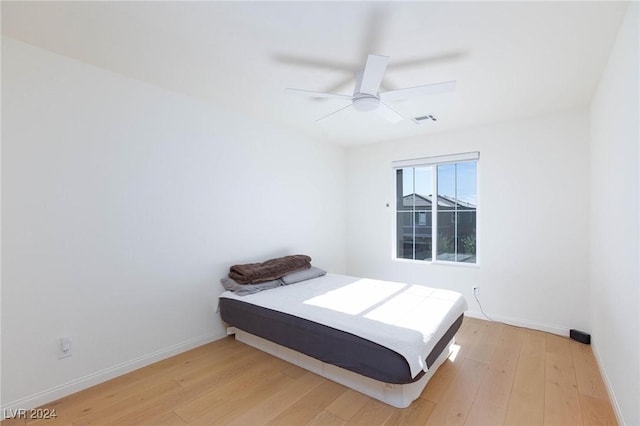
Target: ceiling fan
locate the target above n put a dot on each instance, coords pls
(366, 96)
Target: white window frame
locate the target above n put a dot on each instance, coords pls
(434, 162)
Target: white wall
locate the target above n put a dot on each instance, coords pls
(122, 206)
(532, 224)
(615, 259)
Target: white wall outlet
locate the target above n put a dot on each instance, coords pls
(476, 290)
(64, 347)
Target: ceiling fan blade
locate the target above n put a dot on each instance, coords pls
(342, 84)
(427, 89)
(332, 113)
(389, 114)
(312, 63)
(428, 60)
(372, 74)
(313, 94)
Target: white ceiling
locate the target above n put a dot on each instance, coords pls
(510, 59)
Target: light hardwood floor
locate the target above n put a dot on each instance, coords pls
(500, 375)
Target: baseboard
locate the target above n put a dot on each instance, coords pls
(549, 328)
(73, 386)
(607, 383)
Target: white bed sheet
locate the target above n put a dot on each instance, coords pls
(408, 319)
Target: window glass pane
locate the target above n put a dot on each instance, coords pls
(446, 236)
(467, 236)
(457, 198)
(446, 187)
(423, 235)
(423, 188)
(404, 235)
(404, 189)
(466, 184)
(466, 220)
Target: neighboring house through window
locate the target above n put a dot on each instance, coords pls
(444, 230)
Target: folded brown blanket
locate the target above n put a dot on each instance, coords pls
(253, 273)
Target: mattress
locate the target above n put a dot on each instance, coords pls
(361, 325)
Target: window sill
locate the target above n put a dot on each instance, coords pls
(438, 263)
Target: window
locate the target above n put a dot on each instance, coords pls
(444, 230)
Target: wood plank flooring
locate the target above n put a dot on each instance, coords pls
(499, 375)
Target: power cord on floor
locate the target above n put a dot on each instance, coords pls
(482, 310)
(475, 296)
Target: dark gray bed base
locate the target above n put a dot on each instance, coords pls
(328, 344)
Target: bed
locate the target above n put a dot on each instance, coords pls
(384, 339)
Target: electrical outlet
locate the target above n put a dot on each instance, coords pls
(476, 290)
(64, 347)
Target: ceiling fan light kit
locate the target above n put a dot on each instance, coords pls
(367, 98)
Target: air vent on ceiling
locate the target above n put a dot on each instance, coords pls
(424, 118)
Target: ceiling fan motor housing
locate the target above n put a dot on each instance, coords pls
(365, 103)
